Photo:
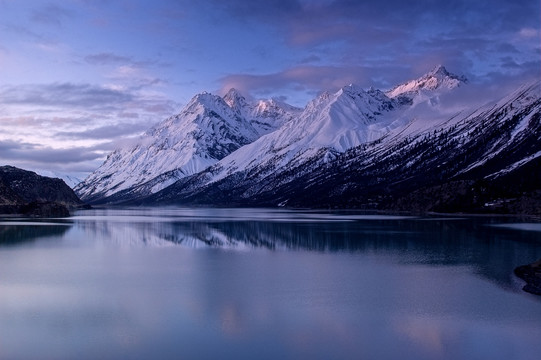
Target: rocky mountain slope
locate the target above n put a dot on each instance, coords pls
(24, 191)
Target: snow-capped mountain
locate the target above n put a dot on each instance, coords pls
(475, 160)
(206, 130)
(333, 123)
(349, 148)
(264, 115)
(437, 80)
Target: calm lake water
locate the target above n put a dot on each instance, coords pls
(266, 284)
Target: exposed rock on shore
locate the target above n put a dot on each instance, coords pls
(532, 275)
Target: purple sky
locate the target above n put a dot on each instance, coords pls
(79, 77)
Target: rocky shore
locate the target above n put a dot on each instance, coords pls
(532, 275)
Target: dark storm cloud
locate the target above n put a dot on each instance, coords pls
(64, 95)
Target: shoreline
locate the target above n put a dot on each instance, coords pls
(530, 273)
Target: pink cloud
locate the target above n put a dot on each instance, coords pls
(307, 77)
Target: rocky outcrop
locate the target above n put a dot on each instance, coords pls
(532, 275)
(25, 192)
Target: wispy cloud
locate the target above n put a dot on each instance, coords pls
(25, 33)
(112, 132)
(50, 14)
(529, 32)
(307, 77)
(37, 153)
(88, 97)
(63, 94)
(74, 126)
(107, 58)
(113, 59)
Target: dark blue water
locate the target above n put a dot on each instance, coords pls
(266, 284)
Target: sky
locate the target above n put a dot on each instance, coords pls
(79, 78)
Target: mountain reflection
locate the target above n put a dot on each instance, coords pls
(492, 252)
(17, 234)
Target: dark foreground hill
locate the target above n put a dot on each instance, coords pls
(25, 192)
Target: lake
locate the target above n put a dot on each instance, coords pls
(179, 283)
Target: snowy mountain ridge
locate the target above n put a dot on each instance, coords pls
(206, 130)
(486, 160)
(334, 123)
(210, 128)
(341, 144)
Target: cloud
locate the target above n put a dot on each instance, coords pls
(25, 32)
(112, 59)
(304, 77)
(96, 101)
(529, 32)
(50, 14)
(105, 132)
(310, 59)
(63, 94)
(36, 153)
(76, 161)
(405, 35)
(71, 127)
(270, 10)
(107, 58)
(311, 22)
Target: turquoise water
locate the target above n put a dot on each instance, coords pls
(266, 284)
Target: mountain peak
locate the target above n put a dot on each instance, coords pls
(232, 93)
(352, 89)
(234, 99)
(439, 70)
(436, 80)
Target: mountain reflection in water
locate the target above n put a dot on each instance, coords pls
(493, 252)
(257, 283)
